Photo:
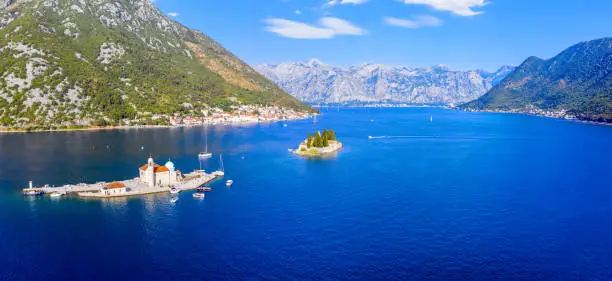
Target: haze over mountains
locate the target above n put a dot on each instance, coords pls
(578, 80)
(74, 62)
(317, 83)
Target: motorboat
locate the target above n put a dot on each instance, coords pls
(175, 190)
(204, 189)
(199, 195)
(229, 183)
(174, 199)
(204, 155)
(33, 192)
(56, 195)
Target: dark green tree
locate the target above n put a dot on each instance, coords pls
(325, 141)
(331, 135)
(309, 140)
(317, 140)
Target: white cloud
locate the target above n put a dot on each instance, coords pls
(415, 22)
(173, 14)
(328, 27)
(341, 27)
(356, 2)
(459, 7)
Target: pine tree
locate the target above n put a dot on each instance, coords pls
(325, 133)
(325, 141)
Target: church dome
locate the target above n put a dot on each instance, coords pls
(169, 165)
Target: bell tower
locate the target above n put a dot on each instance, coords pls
(150, 173)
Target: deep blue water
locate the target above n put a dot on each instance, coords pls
(467, 196)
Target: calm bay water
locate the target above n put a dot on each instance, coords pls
(467, 196)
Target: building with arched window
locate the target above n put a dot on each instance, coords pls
(155, 175)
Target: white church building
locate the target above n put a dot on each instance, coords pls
(159, 176)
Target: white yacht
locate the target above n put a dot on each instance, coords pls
(56, 195)
(199, 195)
(229, 183)
(204, 155)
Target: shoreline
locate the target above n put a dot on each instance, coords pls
(127, 127)
(540, 116)
(318, 152)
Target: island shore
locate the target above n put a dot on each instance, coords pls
(303, 150)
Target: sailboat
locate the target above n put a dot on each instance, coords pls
(221, 171)
(205, 154)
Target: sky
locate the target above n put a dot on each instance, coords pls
(461, 34)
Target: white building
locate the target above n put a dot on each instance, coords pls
(159, 176)
(114, 189)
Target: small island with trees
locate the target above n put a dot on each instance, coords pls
(319, 144)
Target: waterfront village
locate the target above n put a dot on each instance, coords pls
(152, 178)
(240, 114)
(533, 110)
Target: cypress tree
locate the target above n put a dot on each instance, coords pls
(325, 141)
(309, 141)
(317, 140)
(332, 135)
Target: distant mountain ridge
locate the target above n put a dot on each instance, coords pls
(317, 83)
(73, 62)
(577, 81)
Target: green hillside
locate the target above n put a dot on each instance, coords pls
(578, 80)
(77, 62)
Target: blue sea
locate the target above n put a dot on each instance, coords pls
(468, 196)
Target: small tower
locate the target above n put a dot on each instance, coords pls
(150, 173)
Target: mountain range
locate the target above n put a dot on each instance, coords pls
(578, 81)
(78, 62)
(317, 83)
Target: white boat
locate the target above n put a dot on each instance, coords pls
(199, 195)
(204, 189)
(204, 155)
(174, 190)
(431, 118)
(174, 199)
(229, 183)
(56, 195)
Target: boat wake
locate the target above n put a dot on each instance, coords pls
(425, 137)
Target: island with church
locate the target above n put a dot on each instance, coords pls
(152, 178)
(319, 144)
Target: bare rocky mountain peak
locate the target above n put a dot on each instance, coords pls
(318, 83)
